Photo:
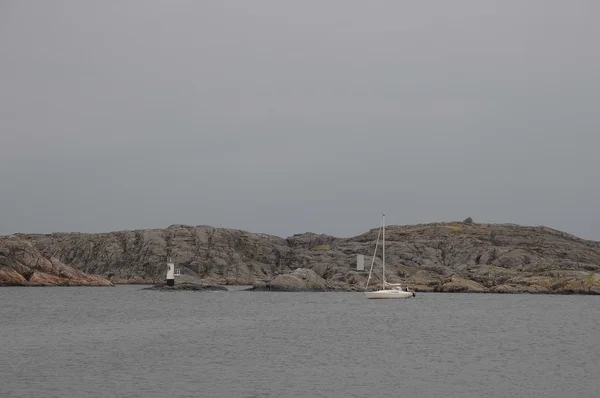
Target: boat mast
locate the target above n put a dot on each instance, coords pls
(374, 255)
(383, 256)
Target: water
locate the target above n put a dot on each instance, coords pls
(123, 342)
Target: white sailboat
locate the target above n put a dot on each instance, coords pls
(388, 290)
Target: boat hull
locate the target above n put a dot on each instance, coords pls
(389, 294)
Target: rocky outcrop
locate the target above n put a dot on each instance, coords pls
(300, 280)
(441, 257)
(21, 264)
(456, 284)
(220, 256)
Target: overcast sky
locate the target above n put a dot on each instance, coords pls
(291, 116)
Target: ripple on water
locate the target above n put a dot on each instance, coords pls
(125, 342)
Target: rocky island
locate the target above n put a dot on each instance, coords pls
(437, 257)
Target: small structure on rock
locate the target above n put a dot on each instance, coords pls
(171, 273)
(360, 262)
(170, 286)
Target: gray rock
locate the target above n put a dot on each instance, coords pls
(498, 257)
(22, 264)
(300, 280)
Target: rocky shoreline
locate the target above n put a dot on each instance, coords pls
(451, 257)
(194, 287)
(306, 280)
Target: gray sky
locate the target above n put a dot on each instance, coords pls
(291, 116)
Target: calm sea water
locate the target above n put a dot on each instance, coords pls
(123, 342)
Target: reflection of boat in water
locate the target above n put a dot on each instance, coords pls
(389, 290)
